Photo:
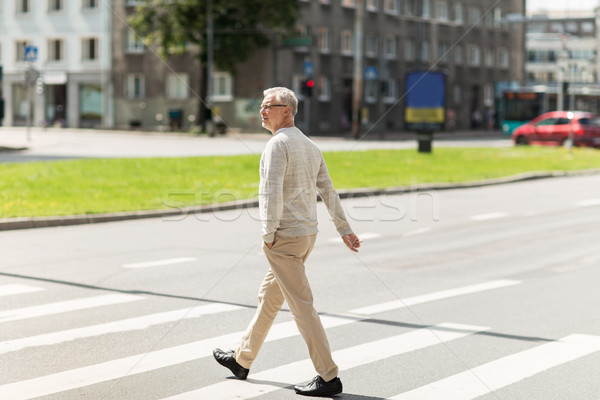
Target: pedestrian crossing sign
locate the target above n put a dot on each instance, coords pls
(31, 53)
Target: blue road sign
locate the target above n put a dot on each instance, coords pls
(31, 53)
(371, 73)
(309, 68)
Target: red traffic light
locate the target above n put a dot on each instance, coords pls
(310, 83)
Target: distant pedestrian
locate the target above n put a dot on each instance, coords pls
(292, 172)
(476, 119)
(491, 119)
(450, 120)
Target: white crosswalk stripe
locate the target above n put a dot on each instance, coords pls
(13, 289)
(465, 385)
(445, 294)
(159, 263)
(125, 325)
(505, 371)
(347, 358)
(66, 306)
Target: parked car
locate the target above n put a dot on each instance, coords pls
(553, 128)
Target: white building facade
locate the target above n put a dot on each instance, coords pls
(63, 49)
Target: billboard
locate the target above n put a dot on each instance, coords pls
(424, 101)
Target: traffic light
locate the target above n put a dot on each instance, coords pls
(307, 87)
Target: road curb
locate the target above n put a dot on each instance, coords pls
(47, 222)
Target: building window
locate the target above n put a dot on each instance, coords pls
(177, 86)
(89, 49)
(133, 43)
(457, 96)
(391, 7)
(222, 86)
(411, 7)
(442, 10)
(426, 12)
(324, 86)
(56, 50)
(587, 27)
(572, 27)
(323, 40)
(409, 50)
(459, 16)
(425, 52)
(371, 45)
(389, 91)
(557, 27)
(497, 17)
(474, 15)
(135, 86)
(390, 47)
(474, 55)
(90, 103)
(370, 90)
(90, 4)
(347, 45)
(443, 52)
(372, 5)
(489, 57)
(20, 47)
(55, 5)
(23, 6)
(459, 55)
(488, 95)
(489, 20)
(349, 3)
(503, 58)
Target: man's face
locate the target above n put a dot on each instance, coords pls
(272, 113)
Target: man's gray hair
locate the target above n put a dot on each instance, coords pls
(285, 96)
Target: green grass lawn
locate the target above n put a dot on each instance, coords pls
(106, 185)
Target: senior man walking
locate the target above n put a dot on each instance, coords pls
(292, 173)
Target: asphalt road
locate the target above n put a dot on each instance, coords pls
(56, 144)
(487, 293)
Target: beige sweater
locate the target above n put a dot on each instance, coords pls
(292, 172)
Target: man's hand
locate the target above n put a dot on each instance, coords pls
(269, 245)
(352, 242)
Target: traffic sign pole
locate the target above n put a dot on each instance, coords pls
(31, 54)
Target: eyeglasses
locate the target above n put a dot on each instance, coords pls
(268, 107)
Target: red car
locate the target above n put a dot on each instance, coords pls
(553, 128)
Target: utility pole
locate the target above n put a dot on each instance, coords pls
(357, 93)
(210, 39)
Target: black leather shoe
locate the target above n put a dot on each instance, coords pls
(319, 388)
(226, 359)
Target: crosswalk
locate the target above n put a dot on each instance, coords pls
(474, 381)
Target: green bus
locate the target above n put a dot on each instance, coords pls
(518, 106)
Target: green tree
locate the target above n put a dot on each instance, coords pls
(240, 28)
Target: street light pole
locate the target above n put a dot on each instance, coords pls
(358, 68)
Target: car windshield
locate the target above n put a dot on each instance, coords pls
(590, 121)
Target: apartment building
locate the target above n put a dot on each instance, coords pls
(151, 92)
(466, 39)
(561, 47)
(96, 72)
(63, 46)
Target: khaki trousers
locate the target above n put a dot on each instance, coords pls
(286, 279)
